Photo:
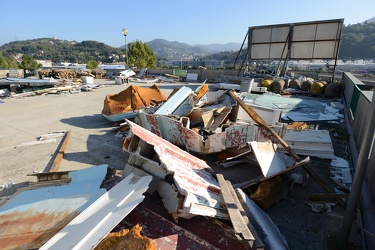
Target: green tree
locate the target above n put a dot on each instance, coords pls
(3, 62)
(29, 63)
(141, 55)
(92, 64)
(7, 62)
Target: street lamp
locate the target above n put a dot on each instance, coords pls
(125, 33)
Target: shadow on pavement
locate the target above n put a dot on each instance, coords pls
(88, 121)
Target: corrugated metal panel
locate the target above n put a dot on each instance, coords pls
(192, 176)
(32, 217)
(174, 101)
(93, 224)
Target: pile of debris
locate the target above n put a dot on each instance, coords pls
(73, 73)
(127, 103)
(167, 151)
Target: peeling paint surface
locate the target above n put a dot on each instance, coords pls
(175, 132)
(192, 176)
(90, 226)
(32, 217)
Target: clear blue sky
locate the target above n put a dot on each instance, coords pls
(192, 22)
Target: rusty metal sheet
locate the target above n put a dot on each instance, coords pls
(94, 223)
(192, 176)
(196, 233)
(32, 217)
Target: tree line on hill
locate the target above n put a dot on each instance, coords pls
(358, 42)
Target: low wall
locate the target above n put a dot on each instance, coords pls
(4, 72)
(358, 105)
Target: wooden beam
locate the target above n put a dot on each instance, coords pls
(322, 184)
(60, 152)
(236, 218)
(340, 185)
(327, 196)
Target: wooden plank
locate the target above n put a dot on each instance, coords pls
(262, 178)
(238, 223)
(60, 153)
(340, 185)
(327, 196)
(321, 183)
(257, 243)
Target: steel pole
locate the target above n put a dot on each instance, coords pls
(126, 54)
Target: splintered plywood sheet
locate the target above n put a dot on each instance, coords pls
(270, 161)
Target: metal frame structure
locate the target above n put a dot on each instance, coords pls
(295, 41)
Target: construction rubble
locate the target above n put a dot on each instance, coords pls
(202, 167)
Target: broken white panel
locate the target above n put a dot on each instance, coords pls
(191, 176)
(224, 85)
(174, 101)
(32, 143)
(309, 117)
(150, 166)
(263, 224)
(52, 135)
(139, 172)
(269, 115)
(270, 161)
(213, 96)
(192, 76)
(170, 196)
(185, 107)
(94, 223)
(127, 73)
(320, 208)
(309, 142)
(341, 170)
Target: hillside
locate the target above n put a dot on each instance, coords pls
(357, 43)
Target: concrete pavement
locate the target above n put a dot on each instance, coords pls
(92, 141)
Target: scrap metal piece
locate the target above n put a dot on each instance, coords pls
(191, 176)
(94, 223)
(32, 217)
(174, 101)
(60, 152)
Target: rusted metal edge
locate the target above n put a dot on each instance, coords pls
(235, 216)
(87, 229)
(60, 152)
